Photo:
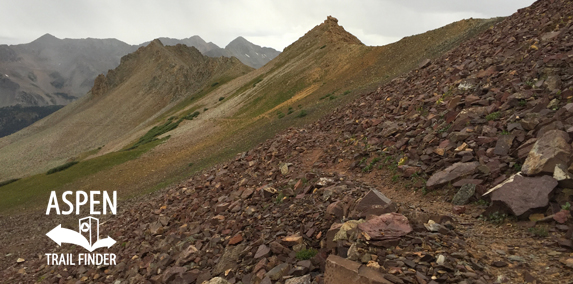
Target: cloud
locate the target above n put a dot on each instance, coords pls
(268, 23)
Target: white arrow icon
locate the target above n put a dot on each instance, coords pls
(62, 235)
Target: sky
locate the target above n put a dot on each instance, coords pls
(273, 24)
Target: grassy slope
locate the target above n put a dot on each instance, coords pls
(298, 78)
(34, 190)
(146, 84)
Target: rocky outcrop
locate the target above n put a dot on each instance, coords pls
(100, 86)
(550, 150)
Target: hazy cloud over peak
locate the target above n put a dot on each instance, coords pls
(268, 23)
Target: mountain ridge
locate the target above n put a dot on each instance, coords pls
(161, 74)
(71, 65)
(52, 71)
(289, 89)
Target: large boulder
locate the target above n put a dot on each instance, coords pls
(385, 227)
(550, 150)
(520, 194)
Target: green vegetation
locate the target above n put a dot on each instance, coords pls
(257, 80)
(331, 96)
(445, 128)
(280, 198)
(567, 206)
(326, 96)
(517, 167)
(395, 178)
(541, 231)
(322, 47)
(346, 92)
(482, 202)
(262, 104)
(495, 218)
(493, 116)
(290, 110)
(280, 114)
(522, 102)
(424, 112)
(61, 168)
(201, 93)
(191, 116)
(505, 132)
(7, 182)
(306, 254)
(415, 179)
(156, 131)
(34, 190)
(221, 98)
(301, 114)
(371, 165)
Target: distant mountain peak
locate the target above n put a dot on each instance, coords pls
(250, 53)
(331, 19)
(328, 32)
(46, 38)
(240, 38)
(336, 32)
(157, 41)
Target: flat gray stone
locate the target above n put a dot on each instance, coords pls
(452, 173)
(464, 195)
(503, 144)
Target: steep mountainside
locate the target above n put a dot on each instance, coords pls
(323, 69)
(14, 118)
(120, 103)
(52, 71)
(343, 200)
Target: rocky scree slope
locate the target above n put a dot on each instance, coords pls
(247, 220)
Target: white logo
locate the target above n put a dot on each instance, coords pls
(88, 226)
